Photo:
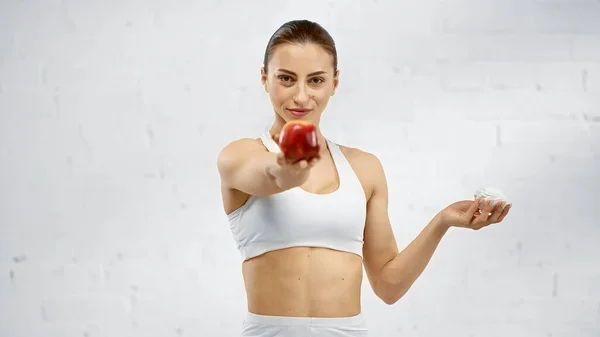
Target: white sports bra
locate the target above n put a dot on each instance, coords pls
(295, 218)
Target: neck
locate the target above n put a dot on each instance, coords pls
(279, 123)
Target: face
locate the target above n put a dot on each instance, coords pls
(300, 81)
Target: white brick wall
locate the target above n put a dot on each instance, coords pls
(112, 114)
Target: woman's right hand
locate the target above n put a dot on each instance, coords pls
(289, 174)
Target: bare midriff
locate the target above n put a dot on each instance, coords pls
(304, 282)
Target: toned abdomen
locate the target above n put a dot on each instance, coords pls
(304, 282)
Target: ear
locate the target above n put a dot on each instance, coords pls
(263, 78)
(336, 81)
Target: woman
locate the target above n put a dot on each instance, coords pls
(304, 230)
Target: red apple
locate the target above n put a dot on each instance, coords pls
(298, 141)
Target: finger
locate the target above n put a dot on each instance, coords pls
(301, 165)
(483, 225)
(472, 209)
(497, 210)
(504, 212)
(275, 138)
(487, 208)
(281, 159)
(489, 216)
(313, 162)
(485, 213)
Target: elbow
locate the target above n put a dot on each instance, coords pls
(390, 296)
(390, 300)
(390, 290)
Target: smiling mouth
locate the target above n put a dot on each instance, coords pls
(299, 112)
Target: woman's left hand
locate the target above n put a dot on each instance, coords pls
(467, 214)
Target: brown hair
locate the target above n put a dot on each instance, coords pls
(301, 32)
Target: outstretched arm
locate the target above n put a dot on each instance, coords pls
(246, 166)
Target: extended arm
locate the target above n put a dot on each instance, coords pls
(245, 165)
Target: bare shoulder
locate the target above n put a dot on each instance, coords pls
(360, 158)
(367, 166)
(242, 145)
(235, 150)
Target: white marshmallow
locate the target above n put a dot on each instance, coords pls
(491, 194)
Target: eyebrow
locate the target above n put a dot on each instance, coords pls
(311, 74)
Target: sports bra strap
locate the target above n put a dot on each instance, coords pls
(269, 142)
(335, 150)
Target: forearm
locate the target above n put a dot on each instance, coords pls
(399, 274)
(257, 176)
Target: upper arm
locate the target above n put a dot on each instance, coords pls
(379, 242)
(231, 158)
(242, 166)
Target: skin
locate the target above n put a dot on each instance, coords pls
(318, 282)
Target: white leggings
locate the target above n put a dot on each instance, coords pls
(279, 326)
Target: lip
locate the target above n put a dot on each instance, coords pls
(298, 112)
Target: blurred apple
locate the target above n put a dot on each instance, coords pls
(298, 141)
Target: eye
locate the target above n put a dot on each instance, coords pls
(317, 80)
(284, 78)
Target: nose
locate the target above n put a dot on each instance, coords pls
(302, 96)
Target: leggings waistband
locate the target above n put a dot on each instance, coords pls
(337, 322)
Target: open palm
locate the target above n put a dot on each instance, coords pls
(468, 214)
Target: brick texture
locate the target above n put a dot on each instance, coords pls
(112, 114)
